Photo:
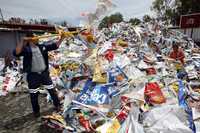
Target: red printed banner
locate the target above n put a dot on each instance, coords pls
(190, 21)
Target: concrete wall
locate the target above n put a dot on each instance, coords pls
(8, 41)
(193, 33)
(196, 34)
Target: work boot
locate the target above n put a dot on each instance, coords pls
(36, 115)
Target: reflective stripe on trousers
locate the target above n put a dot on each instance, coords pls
(48, 87)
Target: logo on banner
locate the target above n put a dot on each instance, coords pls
(190, 21)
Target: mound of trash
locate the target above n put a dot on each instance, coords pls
(121, 79)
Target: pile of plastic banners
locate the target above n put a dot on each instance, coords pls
(10, 77)
(120, 80)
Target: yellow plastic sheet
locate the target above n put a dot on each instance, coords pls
(99, 76)
(114, 127)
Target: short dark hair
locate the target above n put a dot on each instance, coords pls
(175, 45)
(29, 34)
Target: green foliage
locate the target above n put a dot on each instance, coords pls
(64, 23)
(180, 7)
(158, 6)
(135, 21)
(188, 6)
(114, 18)
(146, 18)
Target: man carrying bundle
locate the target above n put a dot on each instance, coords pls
(36, 65)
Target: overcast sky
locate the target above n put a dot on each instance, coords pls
(69, 10)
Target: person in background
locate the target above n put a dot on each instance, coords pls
(177, 53)
(36, 65)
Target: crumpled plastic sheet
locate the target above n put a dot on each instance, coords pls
(168, 118)
(132, 61)
(103, 8)
(10, 78)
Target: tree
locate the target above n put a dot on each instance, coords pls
(188, 6)
(146, 18)
(165, 10)
(135, 21)
(114, 18)
(158, 6)
(64, 23)
(44, 21)
(171, 10)
(104, 22)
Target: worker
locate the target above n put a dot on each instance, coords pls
(35, 64)
(177, 53)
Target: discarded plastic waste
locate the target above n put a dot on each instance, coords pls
(124, 81)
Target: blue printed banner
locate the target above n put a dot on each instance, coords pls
(183, 103)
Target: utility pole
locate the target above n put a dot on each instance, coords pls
(1, 15)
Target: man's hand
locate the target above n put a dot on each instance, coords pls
(62, 37)
(179, 58)
(20, 46)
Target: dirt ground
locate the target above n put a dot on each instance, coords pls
(16, 114)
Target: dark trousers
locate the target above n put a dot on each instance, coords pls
(35, 104)
(35, 80)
